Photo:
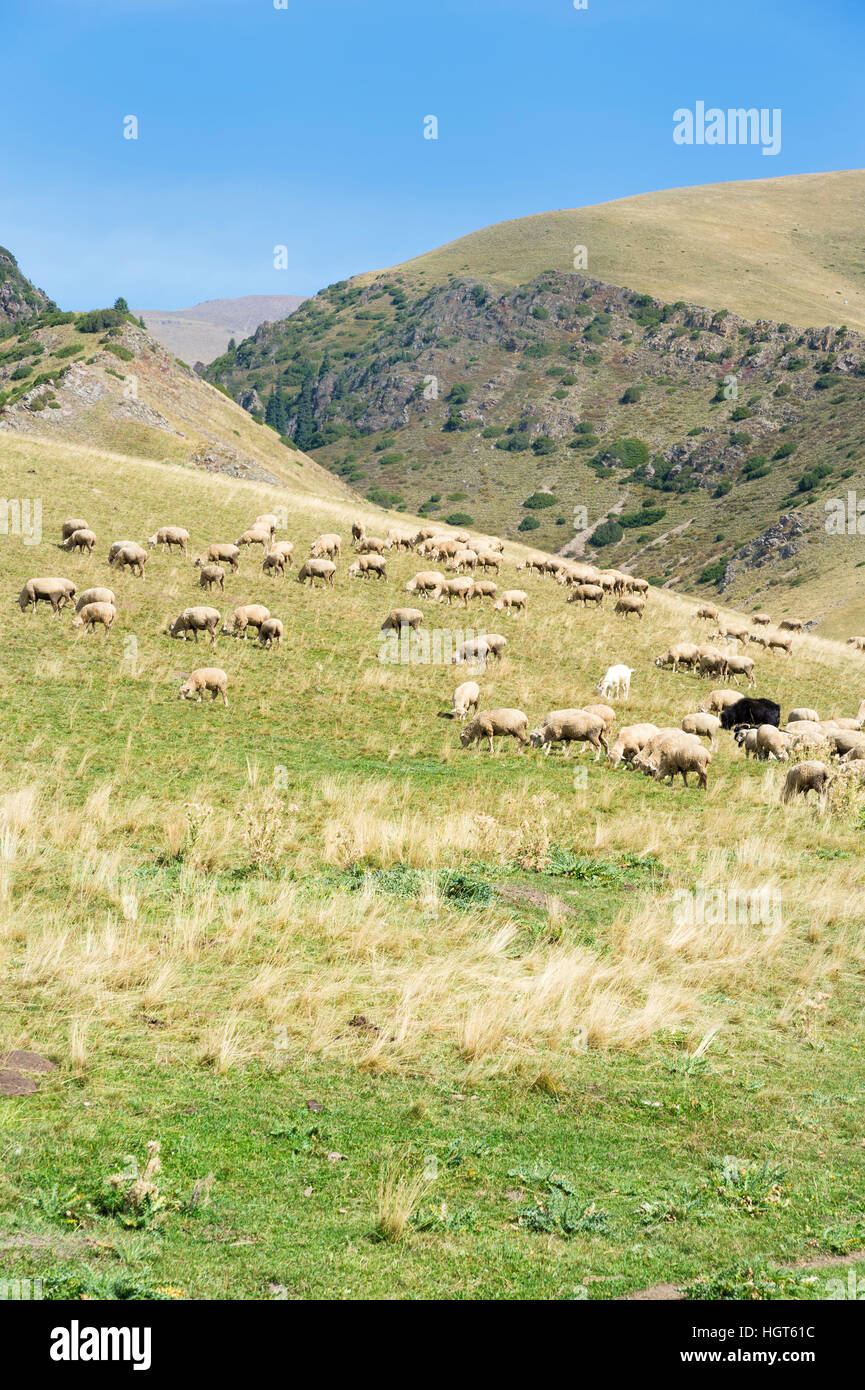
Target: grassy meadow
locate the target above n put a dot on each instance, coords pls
(406, 1020)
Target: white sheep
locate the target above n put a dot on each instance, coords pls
(167, 536)
(246, 616)
(568, 726)
(466, 696)
(496, 723)
(511, 600)
(196, 620)
(703, 725)
(210, 678)
(630, 741)
(616, 683)
(270, 633)
(52, 590)
(93, 613)
(94, 596)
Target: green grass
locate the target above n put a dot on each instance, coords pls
(532, 1081)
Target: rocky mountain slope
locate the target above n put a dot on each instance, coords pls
(19, 299)
(202, 332)
(692, 445)
(99, 379)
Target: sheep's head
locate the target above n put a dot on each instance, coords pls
(536, 738)
(467, 734)
(185, 690)
(78, 621)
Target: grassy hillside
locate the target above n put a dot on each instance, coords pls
(406, 1020)
(710, 441)
(100, 380)
(788, 248)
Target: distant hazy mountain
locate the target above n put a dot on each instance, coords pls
(203, 332)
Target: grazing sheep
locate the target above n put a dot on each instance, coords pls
(329, 545)
(604, 713)
(803, 713)
(196, 620)
(444, 548)
(268, 521)
(772, 743)
(711, 662)
(285, 548)
(741, 666)
(719, 700)
(246, 616)
(220, 552)
(458, 588)
(842, 741)
(495, 643)
(510, 600)
(672, 752)
(357, 531)
(586, 593)
(681, 654)
(169, 536)
(852, 723)
(93, 613)
(791, 625)
(761, 619)
(133, 557)
(811, 776)
(489, 543)
(273, 563)
(464, 559)
(709, 611)
(631, 741)
(71, 526)
(731, 627)
(616, 683)
(489, 560)
(533, 562)
(399, 618)
(474, 652)
(80, 540)
(399, 540)
(371, 545)
(855, 754)
(703, 725)
(429, 582)
(773, 640)
(466, 696)
(210, 575)
(857, 642)
(568, 726)
(256, 535)
(628, 604)
(94, 596)
(750, 712)
(805, 730)
(52, 590)
(496, 723)
(483, 588)
(368, 566)
(210, 678)
(270, 633)
(317, 569)
(747, 740)
(115, 547)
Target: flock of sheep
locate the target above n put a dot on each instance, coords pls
(466, 564)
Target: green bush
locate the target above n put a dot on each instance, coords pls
(543, 445)
(784, 451)
(631, 395)
(712, 573)
(529, 523)
(460, 519)
(606, 534)
(631, 453)
(539, 500)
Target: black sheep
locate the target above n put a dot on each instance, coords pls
(750, 713)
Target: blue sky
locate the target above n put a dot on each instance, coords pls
(303, 126)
